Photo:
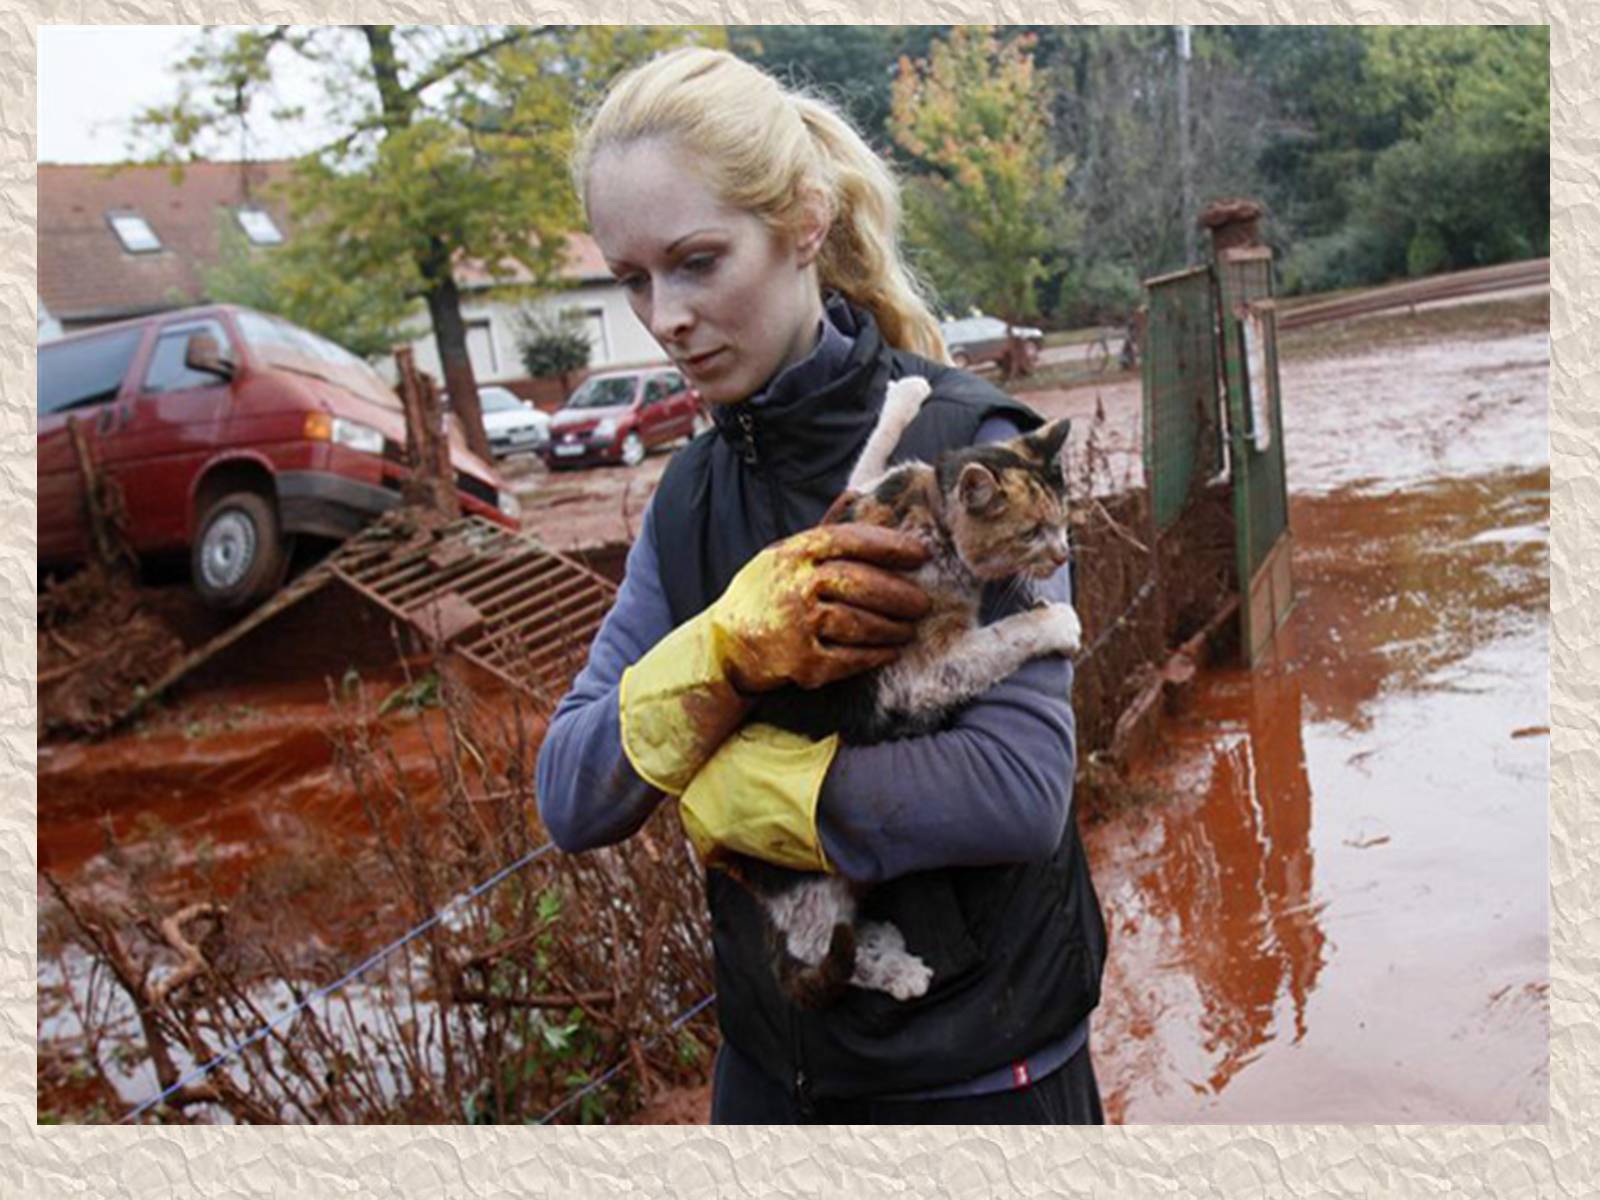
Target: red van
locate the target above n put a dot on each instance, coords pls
(229, 431)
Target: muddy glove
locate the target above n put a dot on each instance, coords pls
(811, 609)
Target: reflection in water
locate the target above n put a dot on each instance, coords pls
(1275, 960)
(1237, 880)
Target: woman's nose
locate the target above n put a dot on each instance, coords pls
(670, 315)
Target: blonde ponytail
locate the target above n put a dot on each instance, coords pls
(775, 153)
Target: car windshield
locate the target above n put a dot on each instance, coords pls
(612, 392)
(498, 400)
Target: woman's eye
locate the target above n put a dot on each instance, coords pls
(699, 264)
(632, 283)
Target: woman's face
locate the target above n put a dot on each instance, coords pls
(730, 301)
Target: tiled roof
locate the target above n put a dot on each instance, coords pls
(86, 274)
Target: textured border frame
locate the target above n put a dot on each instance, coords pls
(1555, 1159)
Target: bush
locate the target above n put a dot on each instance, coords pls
(552, 343)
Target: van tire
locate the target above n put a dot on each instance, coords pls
(239, 557)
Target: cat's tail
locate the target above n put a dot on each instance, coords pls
(901, 403)
(821, 985)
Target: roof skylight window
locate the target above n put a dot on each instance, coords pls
(134, 232)
(259, 227)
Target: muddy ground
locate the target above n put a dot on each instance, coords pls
(1326, 892)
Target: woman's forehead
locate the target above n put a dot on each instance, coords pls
(647, 196)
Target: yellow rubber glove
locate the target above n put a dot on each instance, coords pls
(814, 608)
(758, 796)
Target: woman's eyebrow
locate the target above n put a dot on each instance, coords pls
(693, 233)
(618, 266)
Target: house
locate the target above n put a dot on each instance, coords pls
(118, 242)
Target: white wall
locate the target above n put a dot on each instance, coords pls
(616, 336)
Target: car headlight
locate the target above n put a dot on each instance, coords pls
(509, 505)
(324, 428)
(607, 429)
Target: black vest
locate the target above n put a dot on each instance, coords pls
(1016, 950)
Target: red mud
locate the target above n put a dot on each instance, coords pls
(1330, 904)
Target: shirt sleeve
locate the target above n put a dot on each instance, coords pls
(994, 787)
(589, 794)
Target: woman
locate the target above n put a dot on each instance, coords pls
(755, 234)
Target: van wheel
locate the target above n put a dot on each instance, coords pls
(632, 450)
(239, 555)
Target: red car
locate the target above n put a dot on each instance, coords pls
(229, 432)
(619, 416)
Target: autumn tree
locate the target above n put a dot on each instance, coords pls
(988, 200)
(452, 147)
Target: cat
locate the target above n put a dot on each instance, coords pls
(987, 513)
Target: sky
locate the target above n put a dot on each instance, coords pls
(92, 78)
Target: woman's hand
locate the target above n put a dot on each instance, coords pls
(818, 607)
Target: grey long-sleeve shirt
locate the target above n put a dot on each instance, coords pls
(993, 788)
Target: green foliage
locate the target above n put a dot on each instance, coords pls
(412, 697)
(551, 343)
(990, 200)
(364, 312)
(452, 148)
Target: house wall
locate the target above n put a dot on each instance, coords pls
(616, 336)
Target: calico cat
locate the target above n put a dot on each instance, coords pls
(987, 513)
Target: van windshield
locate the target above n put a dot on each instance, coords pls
(280, 344)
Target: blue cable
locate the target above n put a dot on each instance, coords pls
(208, 1067)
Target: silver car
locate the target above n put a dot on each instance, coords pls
(511, 423)
(977, 339)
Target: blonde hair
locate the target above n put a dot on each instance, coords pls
(773, 152)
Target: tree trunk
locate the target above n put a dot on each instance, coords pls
(450, 337)
(435, 264)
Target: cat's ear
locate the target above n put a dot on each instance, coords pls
(1048, 441)
(979, 490)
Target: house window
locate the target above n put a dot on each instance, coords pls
(259, 226)
(134, 232)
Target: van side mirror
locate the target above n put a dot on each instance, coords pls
(203, 354)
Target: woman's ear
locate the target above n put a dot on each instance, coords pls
(815, 221)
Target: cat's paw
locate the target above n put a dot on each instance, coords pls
(1061, 631)
(903, 399)
(909, 979)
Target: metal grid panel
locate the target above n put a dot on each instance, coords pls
(1180, 389)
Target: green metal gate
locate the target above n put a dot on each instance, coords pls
(1180, 390)
(1248, 326)
(1211, 404)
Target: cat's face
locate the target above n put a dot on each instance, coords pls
(1006, 505)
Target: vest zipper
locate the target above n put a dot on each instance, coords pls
(751, 455)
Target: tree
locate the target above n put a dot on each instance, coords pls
(990, 201)
(453, 149)
(362, 313)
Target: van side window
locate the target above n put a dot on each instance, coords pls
(77, 373)
(675, 384)
(167, 372)
(655, 390)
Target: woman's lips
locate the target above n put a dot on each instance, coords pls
(699, 362)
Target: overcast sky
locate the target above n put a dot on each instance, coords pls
(92, 78)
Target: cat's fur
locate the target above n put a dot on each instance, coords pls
(987, 513)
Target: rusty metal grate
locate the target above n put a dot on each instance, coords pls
(505, 601)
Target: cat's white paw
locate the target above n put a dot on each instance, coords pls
(904, 397)
(1061, 630)
(909, 978)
